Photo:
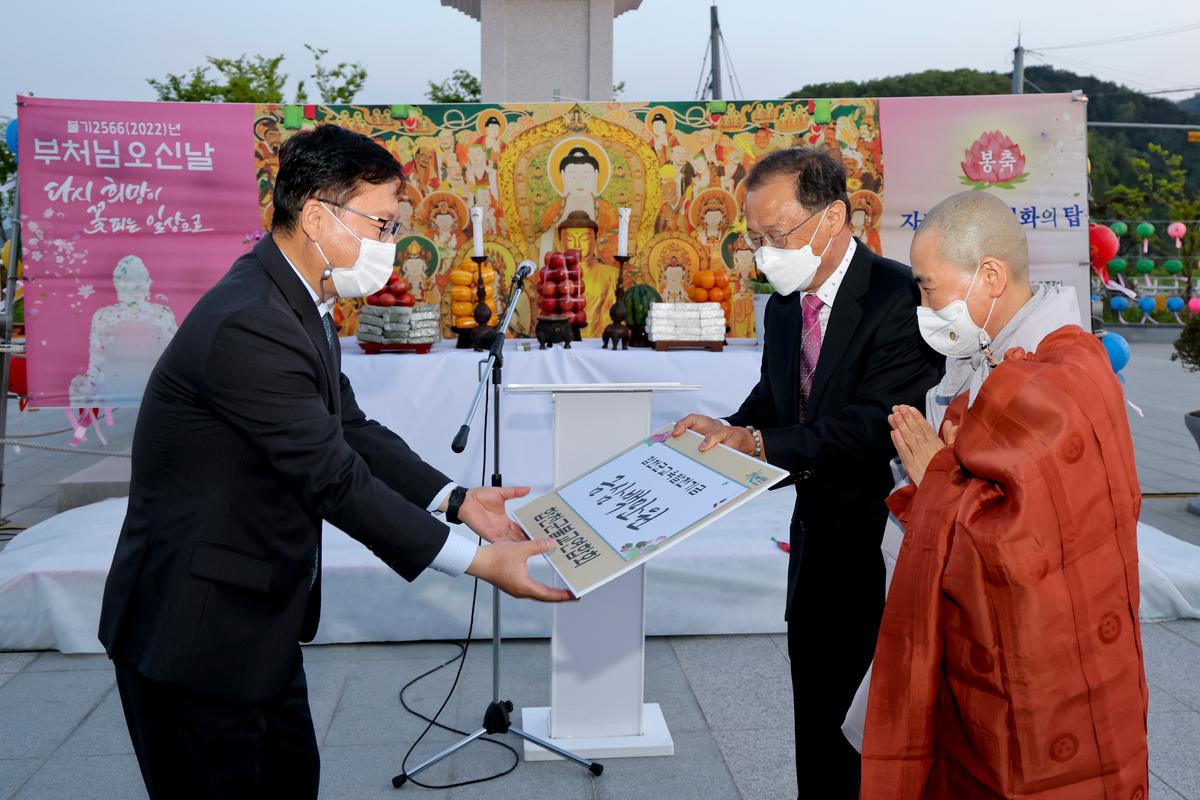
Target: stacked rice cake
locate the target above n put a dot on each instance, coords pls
(398, 324)
(685, 322)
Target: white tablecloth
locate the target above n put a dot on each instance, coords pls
(425, 398)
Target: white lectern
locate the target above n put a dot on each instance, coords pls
(598, 643)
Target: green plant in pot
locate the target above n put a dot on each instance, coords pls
(1187, 352)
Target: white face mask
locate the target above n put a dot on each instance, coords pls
(791, 270)
(370, 271)
(951, 331)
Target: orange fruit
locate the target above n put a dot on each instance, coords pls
(705, 279)
(462, 308)
(465, 322)
(716, 294)
(460, 277)
(461, 293)
(721, 280)
(699, 295)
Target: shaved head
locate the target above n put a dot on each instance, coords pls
(970, 226)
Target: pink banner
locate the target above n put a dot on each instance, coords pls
(130, 212)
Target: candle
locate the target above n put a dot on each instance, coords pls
(623, 231)
(477, 229)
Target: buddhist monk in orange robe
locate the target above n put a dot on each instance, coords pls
(1009, 660)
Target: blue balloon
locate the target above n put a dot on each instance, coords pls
(1175, 304)
(1118, 350)
(1119, 303)
(1147, 304)
(10, 136)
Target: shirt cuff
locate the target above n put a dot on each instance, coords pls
(440, 497)
(456, 555)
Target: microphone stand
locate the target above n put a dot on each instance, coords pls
(496, 719)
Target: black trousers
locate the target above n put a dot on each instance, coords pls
(832, 627)
(190, 745)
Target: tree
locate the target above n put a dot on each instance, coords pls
(1160, 191)
(463, 87)
(337, 85)
(460, 87)
(259, 79)
(930, 83)
(245, 79)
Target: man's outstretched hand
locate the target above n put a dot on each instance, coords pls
(505, 566)
(716, 432)
(483, 512)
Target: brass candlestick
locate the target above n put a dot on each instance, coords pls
(618, 331)
(479, 336)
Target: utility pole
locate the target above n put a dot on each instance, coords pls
(715, 47)
(1018, 83)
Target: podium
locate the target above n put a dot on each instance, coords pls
(598, 649)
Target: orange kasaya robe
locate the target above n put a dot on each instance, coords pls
(1009, 660)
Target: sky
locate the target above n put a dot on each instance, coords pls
(85, 49)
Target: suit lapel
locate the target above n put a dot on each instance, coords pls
(298, 298)
(843, 321)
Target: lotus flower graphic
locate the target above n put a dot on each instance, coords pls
(993, 161)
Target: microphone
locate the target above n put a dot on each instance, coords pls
(524, 270)
(460, 440)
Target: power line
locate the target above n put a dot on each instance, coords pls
(1120, 75)
(1128, 37)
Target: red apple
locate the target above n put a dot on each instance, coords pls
(549, 305)
(543, 275)
(566, 288)
(556, 260)
(406, 299)
(572, 257)
(546, 259)
(549, 289)
(574, 271)
(580, 319)
(385, 299)
(579, 304)
(566, 305)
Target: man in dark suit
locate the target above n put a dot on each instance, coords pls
(248, 437)
(841, 349)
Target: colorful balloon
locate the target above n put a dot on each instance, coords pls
(1118, 350)
(1117, 266)
(1194, 305)
(1119, 228)
(1147, 305)
(1103, 244)
(1175, 304)
(10, 136)
(1173, 266)
(1145, 266)
(1119, 303)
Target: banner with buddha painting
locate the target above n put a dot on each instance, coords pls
(548, 176)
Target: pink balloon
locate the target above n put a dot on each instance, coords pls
(1177, 230)
(1194, 305)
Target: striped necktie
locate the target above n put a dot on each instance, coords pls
(810, 348)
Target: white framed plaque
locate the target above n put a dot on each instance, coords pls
(639, 503)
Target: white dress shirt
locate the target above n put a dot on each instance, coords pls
(828, 290)
(458, 552)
